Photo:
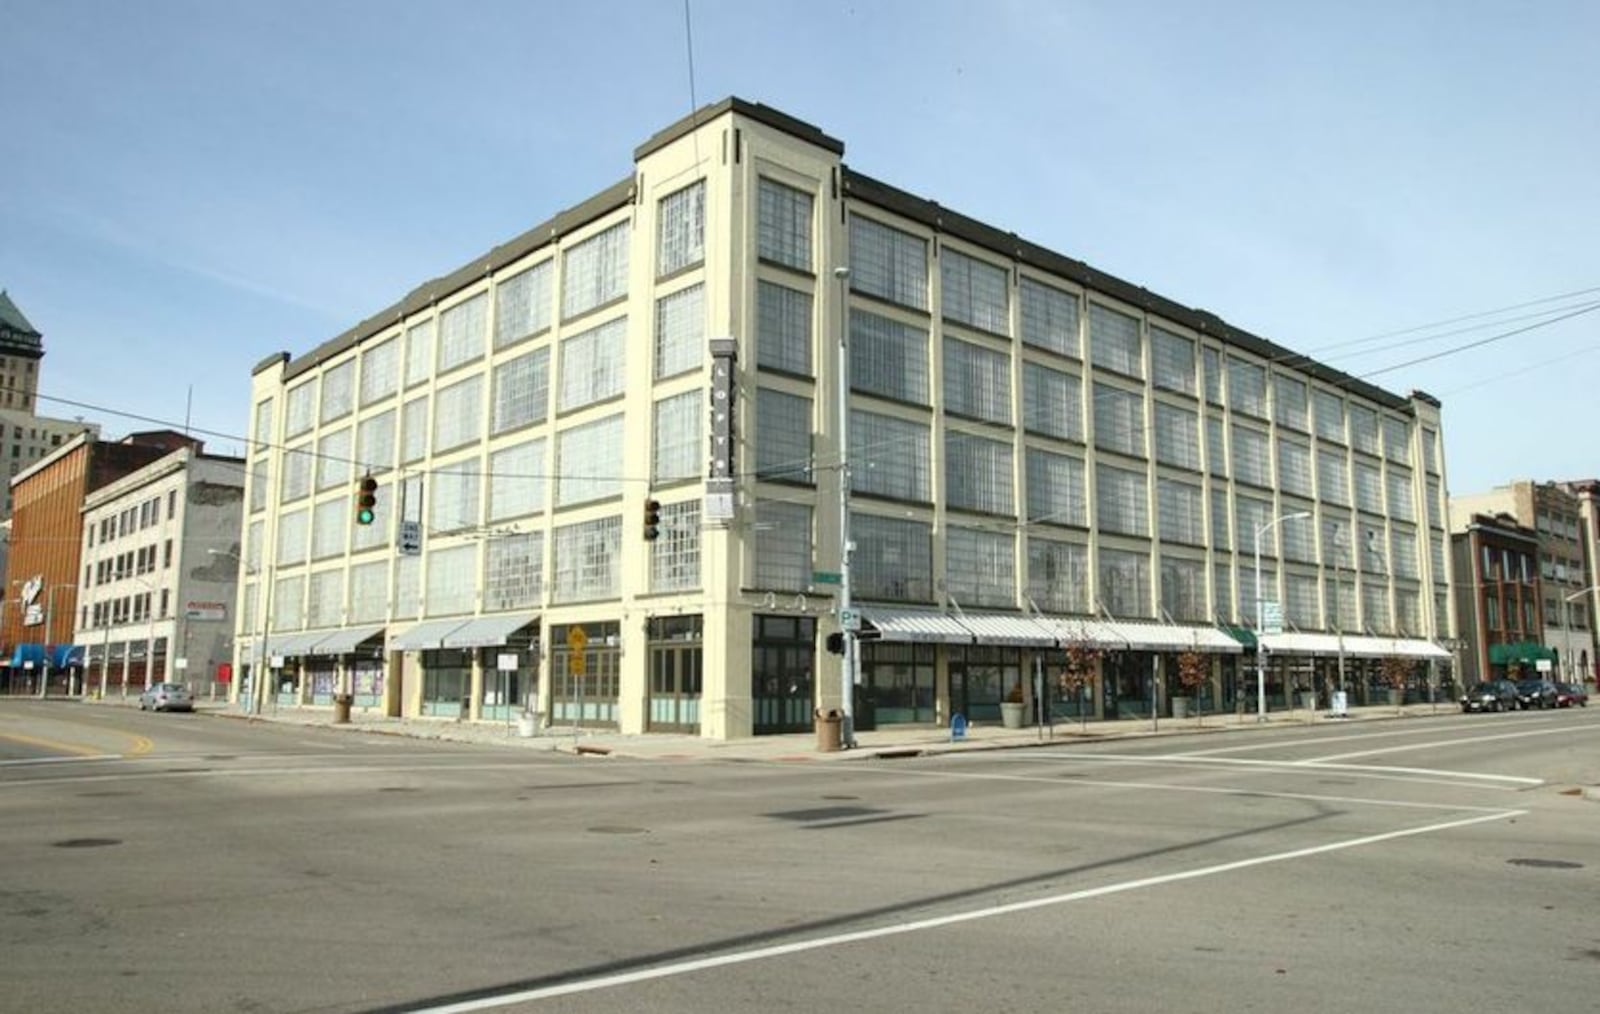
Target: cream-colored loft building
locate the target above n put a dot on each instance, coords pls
(1039, 454)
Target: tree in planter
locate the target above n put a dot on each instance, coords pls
(1395, 671)
(1082, 660)
(1194, 669)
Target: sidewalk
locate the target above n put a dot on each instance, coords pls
(878, 744)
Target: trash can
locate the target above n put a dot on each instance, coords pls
(527, 722)
(341, 709)
(829, 723)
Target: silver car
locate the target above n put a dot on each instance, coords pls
(166, 697)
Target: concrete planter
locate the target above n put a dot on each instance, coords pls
(1180, 707)
(1011, 714)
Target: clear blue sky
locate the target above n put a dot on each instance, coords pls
(189, 187)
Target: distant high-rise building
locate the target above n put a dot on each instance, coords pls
(26, 438)
(21, 349)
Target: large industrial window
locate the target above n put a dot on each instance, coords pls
(414, 430)
(380, 371)
(588, 560)
(981, 567)
(1219, 520)
(890, 457)
(325, 599)
(681, 332)
(1211, 364)
(522, 305)
(263, 429)
(596, 272)
(783, 436)
(294, 531)
(452, 580)
(1125, 583)
(1369, 487)
(369, 591)
(1403, 551)
(1056, 489)
(338, 391)
(782, 546)
(297, 417)
(1333, 481)
(675, 555)
(783, 231)
(1058, 576)
(297, 465)
(1401, 490)
(1396, 440)
(1294, 468)
(678, 448)
(1216, 446)
(1183, 589)
(1052, 402)
(1299, 537)
(888, 358)
(462, 330)
(975, 292)
(1328, 409)
(288, 604)
(1177, 436)
(517, 480)
(333, 459)
(1252, 459)
(1049, 317)
(419, 352)
(1363, 429)
(783, 329)
(593, 365)
(513, 572)
(1114, 341)
(1119, 420)
(1171, 361)
(893, 558)
(1289, 402)
(1121, 503)
(681, 242)
(589, 462)
(1181, 512)
(978, 474)
(521, 391)
(1247, 387)
(977, 382)
(330, 528)
(454, 495)
(458, 418)
(888, 263)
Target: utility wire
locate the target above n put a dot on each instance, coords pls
(1481, 342)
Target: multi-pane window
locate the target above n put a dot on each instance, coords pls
(1339, 603)
(678, 452)
(419, 352)
(1430, 452)
(294, 532)
(1250, 520)
(1294, 468)
(980, 567)
(1171, 361)
(369, 591)
(595, 272)
(380, 371)
(1328, 408)
(1299, 539)
(890, 457)
(407, 587)
(783, 225)
(454, 493)
(1375, 607)
(1211, 366)
(297, 464)
(675, 555)
(1333, 483)
(589, 462)
(1369, 487)
(1403, 551)
(1049, 317)
(783, 436)
(1216, 446)
(414, 430)
(1124, 583)
(888, 358)
(522, 305)
(333, 459)
(975, 292)
(1247, 387)
(288, 604)
(1058, 576)
(1180, 509)
(1177, 436)
(452, 580)
(1056, 492)
(1371, 555)
(263, 428)
(680, 331)
(1396, 440)
(297, 417)
(1222, 593)
(1300, 600)
(1363, 428)
(1289, 402)
(338, 390)
(588, 560)
(1121, 501)
(978, 473)
(513, 572)
(1183, 589)
(893, 558)
(330, 528)
(458, 416)
(1119, 420)
(1219, 519)
(462, 330)
(592, 365)
(521, 391)
(1433, 506)
(977, 382)
(681, 242)
(888, 263)
(1408, 611)
(782, 546)
(1252, 456)
(783, 329)
(516, 480)
(1052, 402)
(1114, 341)
(1400, 490)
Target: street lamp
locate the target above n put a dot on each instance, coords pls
(849, 643)
(1261, 669)
(1566, 630)
(258, 671)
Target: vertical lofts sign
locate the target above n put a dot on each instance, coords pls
(719, 478)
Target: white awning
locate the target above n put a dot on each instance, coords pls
(1008, 629)
(1355, 646)
(1172, 637)
(293, 643)
(488, 631)
(343, 642)
(425, 635)
(1304, 644)
(919, 626)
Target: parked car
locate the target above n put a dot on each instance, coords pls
(166, 697)
(1568, 694)
(1536, 694)
(1493, 695)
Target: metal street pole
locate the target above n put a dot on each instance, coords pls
(848, 662)
(1261, 648)
(1567, 663)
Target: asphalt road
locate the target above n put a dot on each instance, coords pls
(193, 863)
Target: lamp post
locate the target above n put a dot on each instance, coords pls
(1566, 630)
(1261, 651)
(851, 646)
(258, 678)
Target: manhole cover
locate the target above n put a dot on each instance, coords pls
(86, 843)
(617, 829)
(1547, 864)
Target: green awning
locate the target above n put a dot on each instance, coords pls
(1244, 635)
(1521, 651)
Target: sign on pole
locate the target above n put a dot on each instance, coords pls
(577, 643)
(850, 619)
(1271, 618)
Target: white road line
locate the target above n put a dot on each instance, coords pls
(341, 769)
(59, 760)
(1430, 775)
(1357, 737)
(1464, 741)
(937, 922)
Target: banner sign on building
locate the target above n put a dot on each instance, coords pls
(205, 610)
(719, 478)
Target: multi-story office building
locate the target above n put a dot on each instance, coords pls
(1567, 584)
(1498, 595)
(1038, 453)
(25, 438)
(160, 550)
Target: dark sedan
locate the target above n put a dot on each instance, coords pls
(1568, 694)
(1536, 694)
(1494, 695)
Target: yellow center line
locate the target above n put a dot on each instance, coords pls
(53, 744)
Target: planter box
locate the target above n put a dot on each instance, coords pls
(1011, 714)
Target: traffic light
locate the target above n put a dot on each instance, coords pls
(652, 519)
(366, 500)
(836, 643)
